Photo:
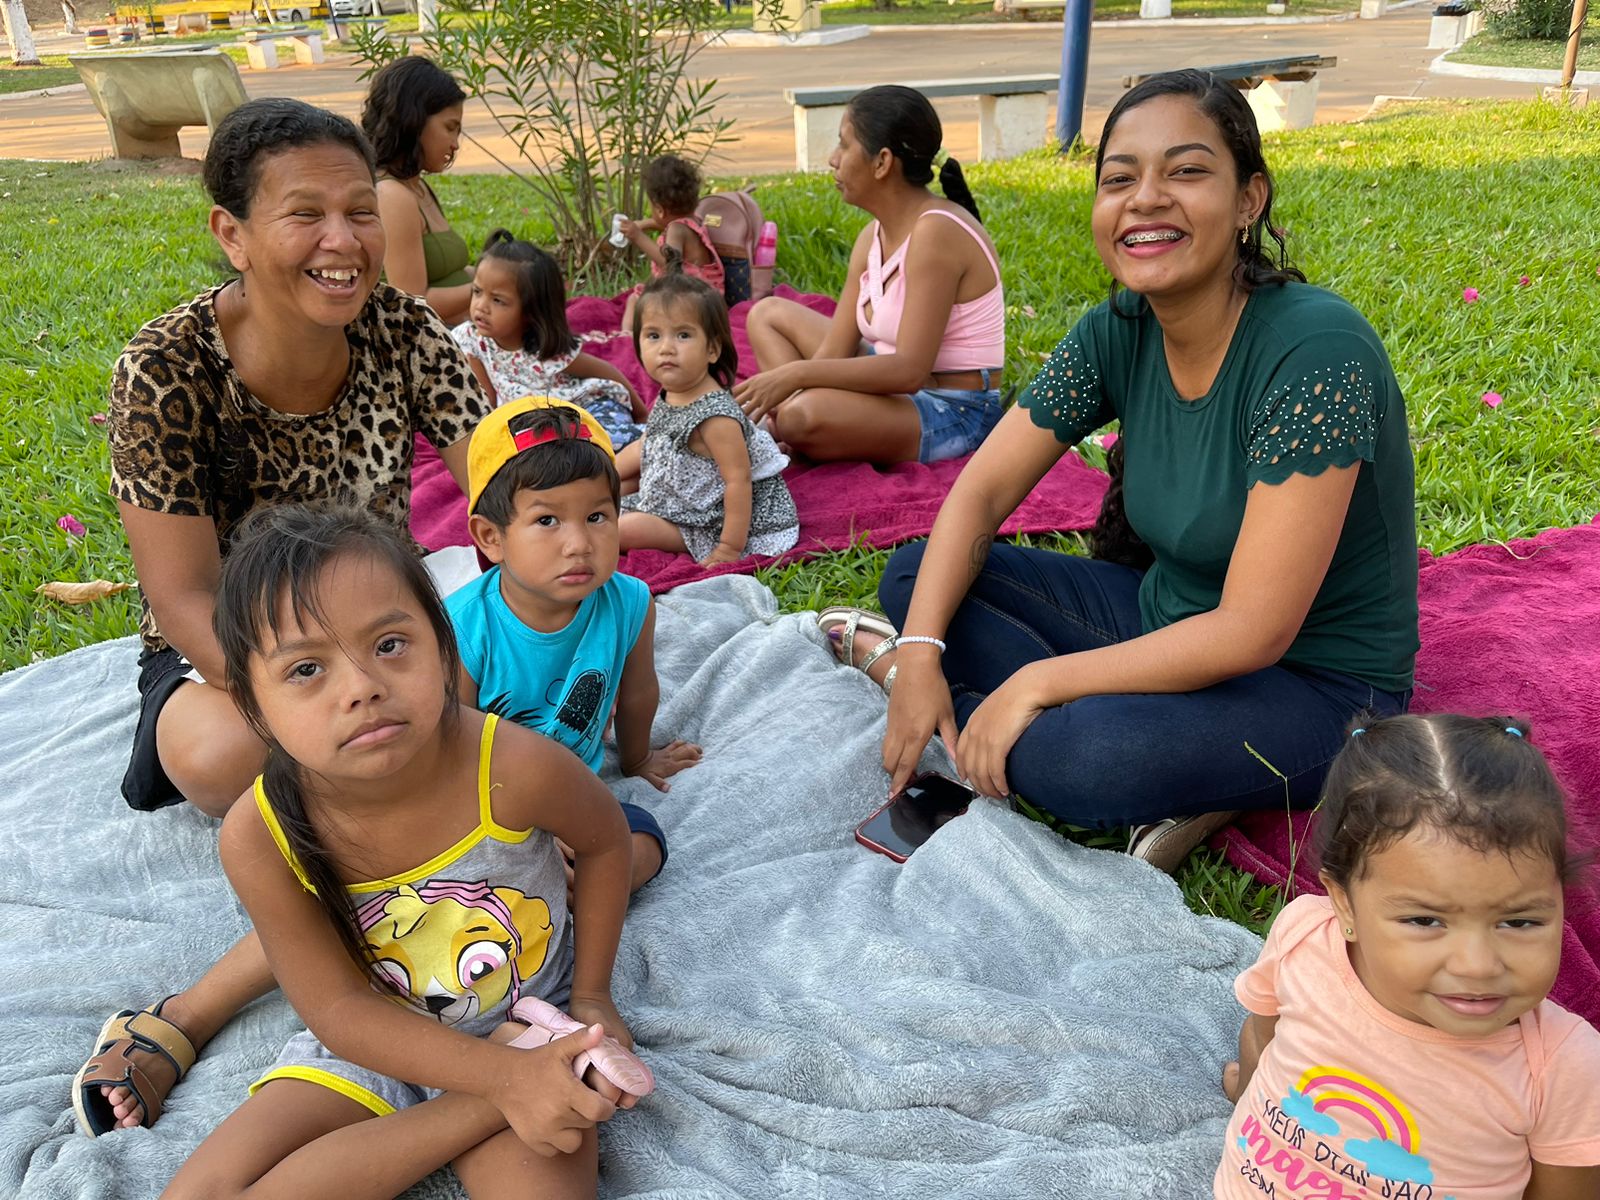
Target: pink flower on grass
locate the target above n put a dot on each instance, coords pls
(1469, 295)
(1493, 399)
(70, 525)
(1524, 281)
(98, 418)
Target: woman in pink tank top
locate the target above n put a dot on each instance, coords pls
(908, 368)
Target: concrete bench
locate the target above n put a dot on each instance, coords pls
(1013, 114)
(1282, 91)
(147, 97)
(261, 48)
(1453, 24)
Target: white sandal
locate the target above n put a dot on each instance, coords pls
(852, 619)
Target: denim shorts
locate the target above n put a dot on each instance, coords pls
(954, 421)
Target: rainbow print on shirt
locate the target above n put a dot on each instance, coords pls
(1393, 1150)
(1293, 1149)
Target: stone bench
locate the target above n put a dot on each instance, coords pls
(1282, 91)
(1453, 24)
(1013, 114)
(148, 96)
(261, 48)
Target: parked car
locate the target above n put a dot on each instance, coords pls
(370, 8)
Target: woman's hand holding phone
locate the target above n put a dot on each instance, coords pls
(919, 706)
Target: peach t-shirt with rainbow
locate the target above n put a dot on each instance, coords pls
(1350, 1101)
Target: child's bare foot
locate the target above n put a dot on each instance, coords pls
(150, 1046)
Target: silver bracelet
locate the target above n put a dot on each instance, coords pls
(904, 639)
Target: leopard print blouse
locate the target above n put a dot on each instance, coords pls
(187, 437)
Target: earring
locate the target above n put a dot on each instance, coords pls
(1244, 236)
(1349, 932)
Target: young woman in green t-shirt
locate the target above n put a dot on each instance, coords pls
(1268, 494)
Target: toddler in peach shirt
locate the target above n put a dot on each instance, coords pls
(1400, 1044)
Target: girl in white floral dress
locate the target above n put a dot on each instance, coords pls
(519, 343)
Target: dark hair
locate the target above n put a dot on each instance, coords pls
(673, 184)
(1477, 779)
(541, 292)
(258, 129)
(273, 571)
(1229, 111)
(552, 464)
(401, 99)
(899, 119)
(1112, 538)
(711, 310)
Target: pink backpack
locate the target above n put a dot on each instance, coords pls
(733, 221)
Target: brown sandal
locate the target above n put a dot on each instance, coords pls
(111, 1066)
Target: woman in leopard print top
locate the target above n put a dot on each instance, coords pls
(302, 378)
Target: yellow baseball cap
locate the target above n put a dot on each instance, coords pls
(494, 443)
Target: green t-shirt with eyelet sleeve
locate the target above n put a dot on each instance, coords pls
(1305, 385)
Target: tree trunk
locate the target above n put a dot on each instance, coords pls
(19, 35)
(428, 15)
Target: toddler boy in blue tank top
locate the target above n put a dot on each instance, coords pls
(551, 635)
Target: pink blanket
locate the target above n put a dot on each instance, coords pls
(1511, 630)
(839, 503)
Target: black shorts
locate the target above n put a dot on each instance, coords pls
(145, 786)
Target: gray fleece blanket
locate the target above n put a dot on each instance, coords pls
(1005, 1015)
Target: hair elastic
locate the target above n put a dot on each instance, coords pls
(1513, 731)
(1355, 733)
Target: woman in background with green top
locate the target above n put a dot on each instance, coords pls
(412, 117)
(1267, 499)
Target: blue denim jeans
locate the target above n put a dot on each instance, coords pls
(1108, 761)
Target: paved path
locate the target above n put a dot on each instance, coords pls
(1384, 57)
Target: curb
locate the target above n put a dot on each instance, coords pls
(1535, 75)
(1155, 23)
(64, 89)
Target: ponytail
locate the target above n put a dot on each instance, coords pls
(280, 780)
(953, 183)
(1112, 539)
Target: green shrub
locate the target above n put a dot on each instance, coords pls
(1546, 20)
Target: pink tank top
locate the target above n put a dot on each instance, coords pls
(712, 272)
(974, 337)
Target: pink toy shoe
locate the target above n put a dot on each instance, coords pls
(546, 1022)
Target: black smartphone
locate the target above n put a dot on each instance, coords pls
(912, 814)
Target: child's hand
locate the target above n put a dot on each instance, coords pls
(723, 553)
(664, 763)
(599, 1010)
(634, 231)
(544, 1102)
(1230, 1082)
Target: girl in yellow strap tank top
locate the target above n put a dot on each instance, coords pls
(398, 864)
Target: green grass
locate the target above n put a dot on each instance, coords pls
(56, 72)
(1398, 214)
(1492, 50)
